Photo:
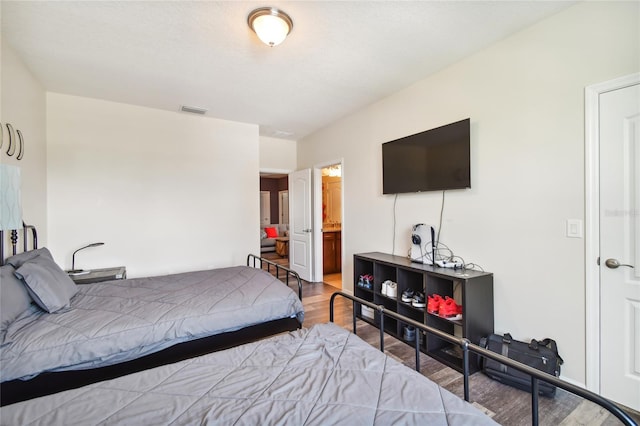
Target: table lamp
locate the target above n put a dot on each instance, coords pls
(73, 269)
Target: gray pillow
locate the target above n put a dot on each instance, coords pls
(19, 259)
(14, 298)
(49, 286)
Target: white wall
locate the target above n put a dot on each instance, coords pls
(166, 192)
(23, 106)
(525, 98)
(277, 155)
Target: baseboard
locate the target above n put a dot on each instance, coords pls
(574, 382)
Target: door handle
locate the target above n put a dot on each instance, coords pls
(306, 230)
(614, 263)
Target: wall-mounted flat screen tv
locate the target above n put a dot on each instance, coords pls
(432, 160)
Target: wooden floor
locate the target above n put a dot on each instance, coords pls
(507, 406)
(334, 280)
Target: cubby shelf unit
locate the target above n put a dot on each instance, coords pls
(471, 289)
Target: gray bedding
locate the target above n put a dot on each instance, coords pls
(115, 321)
(318, 376)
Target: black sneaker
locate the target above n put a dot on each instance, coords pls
(418, 300)
(407, 295)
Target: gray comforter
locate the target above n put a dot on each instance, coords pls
(116, 321)
(318, 376)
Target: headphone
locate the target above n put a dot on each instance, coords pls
(415, 238)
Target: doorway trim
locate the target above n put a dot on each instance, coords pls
(265, 208)
(281, 209)
(317, 217)
(592, 222)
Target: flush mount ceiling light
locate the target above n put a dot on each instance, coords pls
(270, 25)
(335, 171)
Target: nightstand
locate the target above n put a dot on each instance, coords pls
(91, 276)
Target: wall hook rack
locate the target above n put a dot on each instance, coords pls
(21, 143)
(11, 149)
(14, 144)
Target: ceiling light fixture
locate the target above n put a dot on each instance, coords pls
(335, 171)
(270, 25)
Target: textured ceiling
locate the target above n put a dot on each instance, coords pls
(340, 56)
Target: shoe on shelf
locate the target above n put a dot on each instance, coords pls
(450, 309)
(392, 290)
(367, 281)
(433, 303)
(409, 333)
(418, 300)
(385, 286)
(407, 295)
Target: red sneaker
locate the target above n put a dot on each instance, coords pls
(433, 304)
(450, 309)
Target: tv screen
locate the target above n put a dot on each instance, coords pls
(432, 160)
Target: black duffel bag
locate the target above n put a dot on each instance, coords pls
(539, 354)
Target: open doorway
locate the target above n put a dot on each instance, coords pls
(274, 217)
(332, 225)
(316, 224)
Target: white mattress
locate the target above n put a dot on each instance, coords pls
(318, 376)
(116, 321)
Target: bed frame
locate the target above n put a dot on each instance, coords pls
(14, 240)
(253, 260)
(52, 382)
(467, 347)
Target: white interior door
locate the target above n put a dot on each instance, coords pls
(265, 208)
(300, 231)
(620, 245)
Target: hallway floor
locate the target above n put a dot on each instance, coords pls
(334, 280)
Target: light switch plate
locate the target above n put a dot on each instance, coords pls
(574, 228)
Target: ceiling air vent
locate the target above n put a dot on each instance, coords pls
(282, 134)
(193, 110)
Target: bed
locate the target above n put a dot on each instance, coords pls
(112, 328)
(321, 375)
